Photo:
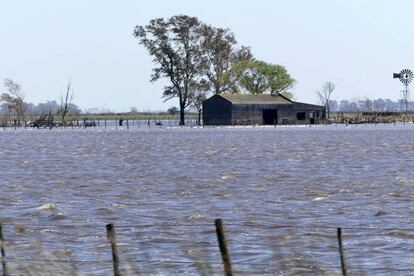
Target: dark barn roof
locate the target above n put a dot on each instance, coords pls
(256, 99)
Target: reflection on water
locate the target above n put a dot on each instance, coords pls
(280, 191)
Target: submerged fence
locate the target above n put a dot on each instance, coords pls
(91, 122)
(120, 262)
(102, 123)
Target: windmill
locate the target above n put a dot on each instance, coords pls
(405, 76)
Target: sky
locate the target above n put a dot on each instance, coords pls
(356, 44)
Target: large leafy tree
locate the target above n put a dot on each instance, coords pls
(258, 77)
(175, 45)
(220, 53)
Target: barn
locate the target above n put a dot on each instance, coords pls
(259, 109)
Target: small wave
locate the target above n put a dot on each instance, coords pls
(319, 198)
(195, 217)
(400, 234)
(380, 213)
(46, 206)
(57, 216)
(119, 205)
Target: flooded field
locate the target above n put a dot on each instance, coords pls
(281, 193)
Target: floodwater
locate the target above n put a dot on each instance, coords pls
(281, 193)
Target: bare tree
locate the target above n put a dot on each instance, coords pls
(14, 99)
(65, 101)
(325, 93)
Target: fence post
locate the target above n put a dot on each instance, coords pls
(110, 233)
(3, 253)
(223, 247)
(341, 252)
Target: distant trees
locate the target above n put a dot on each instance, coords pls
(42, 108)
(172, 110)
(13, 104)
(356, 104)
(198, 59)
(333, 105)
(325, 94)
(133, 110)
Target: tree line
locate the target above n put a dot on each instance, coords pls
(358, 104)
(13, 104)
(199, 60)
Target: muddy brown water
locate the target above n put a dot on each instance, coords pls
(281, 193)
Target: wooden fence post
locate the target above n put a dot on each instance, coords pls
(110, 233)
(3, 253)
(223, 247)
(341, 252)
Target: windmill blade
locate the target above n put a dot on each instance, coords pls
(406, 76)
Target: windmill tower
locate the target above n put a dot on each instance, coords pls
(405, 76)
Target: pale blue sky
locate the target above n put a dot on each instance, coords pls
(357, 44)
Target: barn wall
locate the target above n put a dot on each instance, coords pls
(285, 114)
(319, 112)
(245, 114)
(217, 111)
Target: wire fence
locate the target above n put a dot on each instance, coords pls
(244, 248)
(119, 122)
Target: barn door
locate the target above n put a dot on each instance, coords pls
(270, 116)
